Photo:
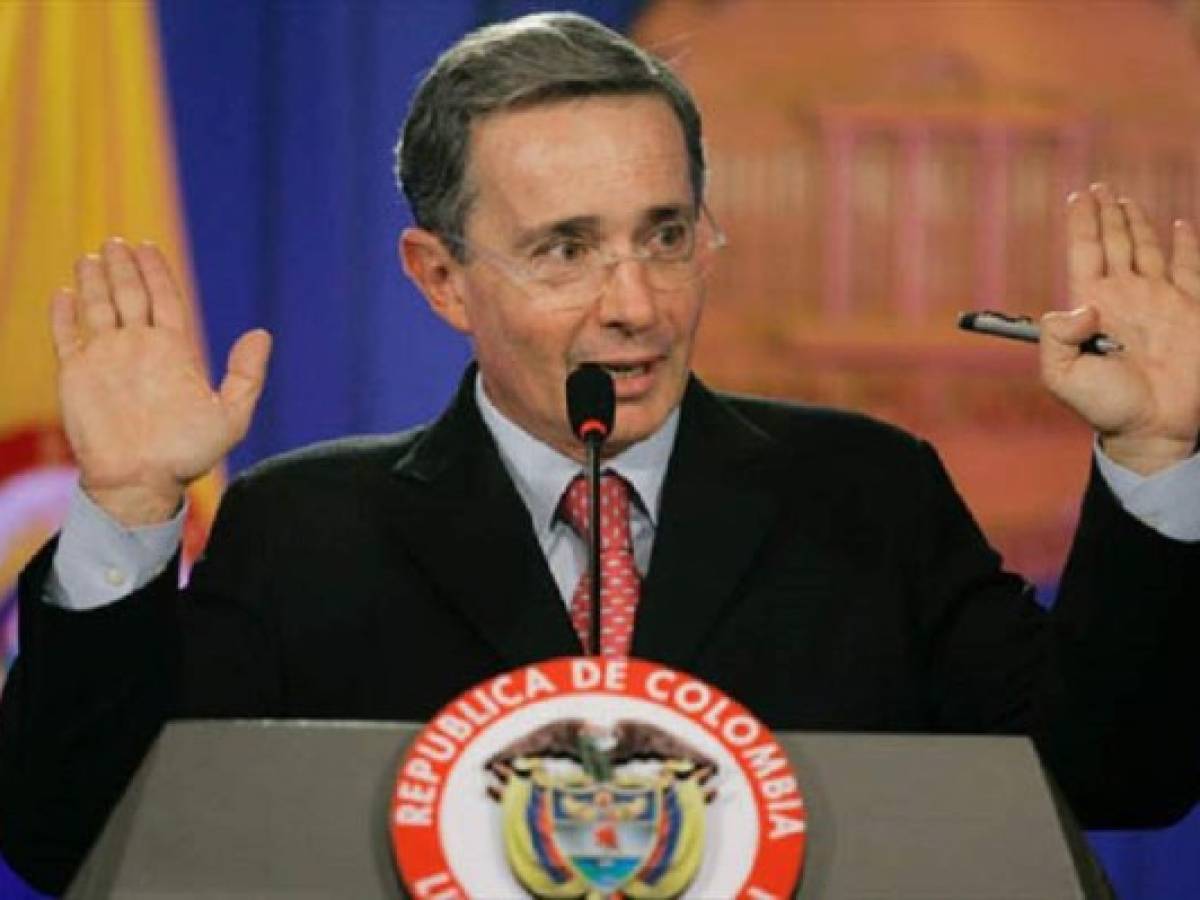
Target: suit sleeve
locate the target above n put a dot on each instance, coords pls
(1125, 630)
(1095, 680)
(90, 690)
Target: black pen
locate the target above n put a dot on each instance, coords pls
(1023, 328)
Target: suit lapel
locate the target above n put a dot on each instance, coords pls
(458, 511)
(465, 522)
(718, 504)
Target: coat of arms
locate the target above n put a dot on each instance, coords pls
(599, 813)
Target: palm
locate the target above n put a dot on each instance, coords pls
(137, 405)
(1155, 385)
(1149, 393)
(134, 400)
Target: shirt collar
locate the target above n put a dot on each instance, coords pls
(541, 473)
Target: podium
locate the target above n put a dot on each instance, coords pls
(299, 809)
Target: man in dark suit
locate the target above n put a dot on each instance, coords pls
(814, 564)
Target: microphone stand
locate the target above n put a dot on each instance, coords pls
(591, 407)
(592, 442)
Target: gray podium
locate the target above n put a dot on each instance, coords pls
(299, 809)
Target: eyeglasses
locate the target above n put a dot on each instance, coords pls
(569, 271)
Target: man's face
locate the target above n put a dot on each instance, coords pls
(611, 168)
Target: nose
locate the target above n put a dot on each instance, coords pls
(628, 301)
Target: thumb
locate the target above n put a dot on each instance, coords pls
(1064, 332)
(245, 373)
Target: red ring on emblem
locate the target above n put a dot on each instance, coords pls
(533, 822)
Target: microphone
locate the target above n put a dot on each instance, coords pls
(591, 403)
(591, 407)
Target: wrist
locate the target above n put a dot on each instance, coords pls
(133, 506)
(1146, 455)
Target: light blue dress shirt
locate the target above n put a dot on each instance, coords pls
(542, 474)
(98, 561)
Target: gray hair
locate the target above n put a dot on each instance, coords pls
(528, 61)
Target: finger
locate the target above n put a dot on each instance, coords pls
(1085, 256)
(166, 302)
(1185, 259)
(98, 312)
(244, 377)
(125, 281)
(1063, 333)
(1114, 232)
(1148, 257)
(64, 326)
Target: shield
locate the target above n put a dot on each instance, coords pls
(606, 832)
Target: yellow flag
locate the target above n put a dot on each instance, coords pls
(85, 153)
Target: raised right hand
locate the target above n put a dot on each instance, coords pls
(139, 412)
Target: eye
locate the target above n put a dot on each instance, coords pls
(561, 252)
(670, 239)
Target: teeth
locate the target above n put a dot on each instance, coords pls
(626, 371)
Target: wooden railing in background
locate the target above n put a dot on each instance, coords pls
(853, 249)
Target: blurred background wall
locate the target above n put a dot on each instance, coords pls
(889, 164)
(879, 166)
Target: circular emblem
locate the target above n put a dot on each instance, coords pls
(595, 778)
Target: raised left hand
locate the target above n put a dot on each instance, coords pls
(1144, 401)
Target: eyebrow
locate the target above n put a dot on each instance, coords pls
(580, 225)
(667, 212)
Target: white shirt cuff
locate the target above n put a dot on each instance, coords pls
(99, 561)
(1167, 501)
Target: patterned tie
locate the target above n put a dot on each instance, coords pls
(620, 583)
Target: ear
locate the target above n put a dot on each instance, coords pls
(435, 271)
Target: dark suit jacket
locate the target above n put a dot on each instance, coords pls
(816, 565)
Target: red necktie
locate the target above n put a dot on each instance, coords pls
(620, 583)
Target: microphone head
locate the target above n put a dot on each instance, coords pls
(591, 402)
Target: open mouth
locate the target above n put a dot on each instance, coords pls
(625, 370)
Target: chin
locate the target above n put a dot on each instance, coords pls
(637, 427)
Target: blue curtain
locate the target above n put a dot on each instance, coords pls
(285, 115)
